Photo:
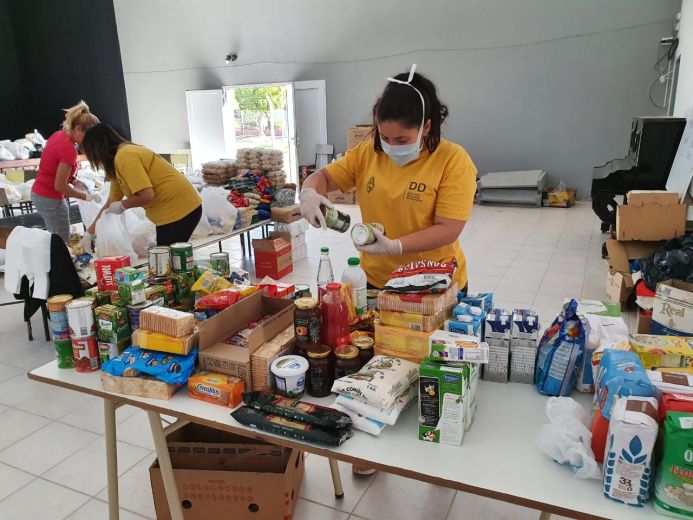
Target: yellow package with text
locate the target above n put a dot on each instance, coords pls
(402, 340)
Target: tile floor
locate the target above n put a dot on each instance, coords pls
(52, 454)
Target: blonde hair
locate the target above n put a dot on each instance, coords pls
(79, 115)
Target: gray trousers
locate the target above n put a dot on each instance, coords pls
(55, 213)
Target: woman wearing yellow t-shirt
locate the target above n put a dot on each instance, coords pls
(141, 178)
(418, 186)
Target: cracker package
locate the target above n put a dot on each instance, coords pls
(216, 388)
(167, 321)
(428, 304)
(163, 343)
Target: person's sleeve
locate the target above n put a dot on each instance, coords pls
(344, 171)
(67, 155)
(131, 170)
(457, 188)
(114, 192)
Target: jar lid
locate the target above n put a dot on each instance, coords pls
(287, 366)
(347, 352)
(306, 303)
(363, 342)
(319, 351)
(334, 286)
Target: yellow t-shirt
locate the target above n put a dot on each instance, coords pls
(407, 199)
(138, 168)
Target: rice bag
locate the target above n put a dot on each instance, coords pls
(673, 488)
(387, 416)
(560, 352)
(169, 368)
(422, 275)
(297, 410)
(620, 375)
(279, 425)
(361, 422)
(380, 381)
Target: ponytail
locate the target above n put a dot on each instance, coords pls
(79, 115)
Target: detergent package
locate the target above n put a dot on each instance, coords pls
(560, 353)
(620, 375)
(674, 485)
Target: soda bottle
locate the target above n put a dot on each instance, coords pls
(334, 329)
(325, 274)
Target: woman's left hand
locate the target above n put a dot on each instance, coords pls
(382, 245)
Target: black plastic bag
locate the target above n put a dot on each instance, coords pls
(673, 261)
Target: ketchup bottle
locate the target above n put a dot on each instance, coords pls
(334, 329)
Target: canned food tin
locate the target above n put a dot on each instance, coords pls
(362, 234)
(372, 299)
(220, 263)
(86, 354)
(182, 257)
(61, 335)
(336, 220)
(302, 291)
(110, 349)
(80, 318)
(159, 261)
(58, 302)
(58, 321)
(63, 353)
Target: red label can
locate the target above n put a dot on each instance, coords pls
(86, 354)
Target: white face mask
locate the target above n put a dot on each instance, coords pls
(403, 154)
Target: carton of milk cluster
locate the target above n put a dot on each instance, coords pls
(524, 339)
(497, 334)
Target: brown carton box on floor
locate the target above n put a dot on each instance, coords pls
(651, 215)
(338, 197)
(619, 282)
(218, 356)
(358, 133)
(221, 475)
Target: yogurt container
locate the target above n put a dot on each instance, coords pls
(290, 375)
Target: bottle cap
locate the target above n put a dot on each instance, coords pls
(324, 249)
(353, 261)
(334, 286)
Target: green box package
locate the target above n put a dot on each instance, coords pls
(112, 323)
(674, 484)
(128, 275)
(443, 389)
(132, 293)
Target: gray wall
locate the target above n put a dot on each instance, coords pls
(549, 84)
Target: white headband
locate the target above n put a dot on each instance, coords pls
(408, 82)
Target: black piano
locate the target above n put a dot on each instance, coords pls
(653, 145)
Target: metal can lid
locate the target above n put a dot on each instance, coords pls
(318, 351)
(181, 245)
(360, 234)
(363, 343)
(306, 303)
(347, 352)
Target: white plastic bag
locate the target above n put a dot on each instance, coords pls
(88, 211)
(5, 154)
(566, 439)
(19, 152)
(128, 234)
(220, 213)
(203, 228)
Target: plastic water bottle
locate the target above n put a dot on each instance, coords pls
(356, 277)
(325, 274)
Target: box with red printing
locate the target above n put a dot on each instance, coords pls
(272, 257)
(105, 271)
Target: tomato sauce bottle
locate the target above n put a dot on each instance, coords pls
(334, 329)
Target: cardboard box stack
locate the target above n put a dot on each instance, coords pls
(524, 340)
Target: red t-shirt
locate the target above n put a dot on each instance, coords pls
(59, 149)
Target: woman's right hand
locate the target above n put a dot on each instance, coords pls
(311, 201)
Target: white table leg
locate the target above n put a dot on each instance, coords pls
(109, 408)
(165, 466)
(544, 516)
(336, 479)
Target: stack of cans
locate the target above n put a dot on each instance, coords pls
(59, 327)
(82, 327)
(134, 314)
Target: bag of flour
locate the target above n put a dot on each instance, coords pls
(598, 328)
(674, 485)
(628, 457)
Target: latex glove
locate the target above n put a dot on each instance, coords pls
(311, 201)
(382, 245)
(86, 242)
(116, 207)
(93, 197)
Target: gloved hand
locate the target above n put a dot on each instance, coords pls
(116, 207)
(382, 245)
(311, 201)
(93, 197)
(87, 242)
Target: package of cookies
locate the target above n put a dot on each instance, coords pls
(216, 388)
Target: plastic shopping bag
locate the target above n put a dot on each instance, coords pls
(88, 211)
(130, 233)
(220, 213)
(203, 228)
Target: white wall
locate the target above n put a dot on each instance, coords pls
(549, 84)
(684, 89)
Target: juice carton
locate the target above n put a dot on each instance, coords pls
(443, 390)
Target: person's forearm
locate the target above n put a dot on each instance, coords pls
(135, 201)
(92, 228)
(71, 192)
(436, 236)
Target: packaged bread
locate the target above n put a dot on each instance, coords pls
(215, 388)
(167, 321)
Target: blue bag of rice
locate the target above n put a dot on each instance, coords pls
(621, 374)
(169, 368)
(560, 353)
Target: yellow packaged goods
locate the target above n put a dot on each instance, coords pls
(210, 283)
(427, 304)
(216, 388)
(402, 340)
(262, 358)
(414, 358)
(167, 321)
(411, 321)
(161, 342)
(663, 351)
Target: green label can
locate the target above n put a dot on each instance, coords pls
(336, 220)
(182, 257)
(220, 263)
(63, 353)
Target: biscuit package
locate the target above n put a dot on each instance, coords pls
(169, 368)
(216, 388)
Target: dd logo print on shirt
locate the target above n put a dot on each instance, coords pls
(414, 191)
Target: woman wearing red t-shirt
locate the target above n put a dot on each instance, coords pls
(56, 174)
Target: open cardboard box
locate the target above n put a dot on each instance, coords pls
(651, 215)
(273, 256)
(217, 356)
(673, 309)
(619, 282)
(222, 475)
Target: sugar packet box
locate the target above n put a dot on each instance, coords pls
(524, 338)
(443, 390)
(483, 300)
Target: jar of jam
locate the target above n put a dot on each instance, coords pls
(347, 361)
(320, 370)
(306, 323)
(365, 346)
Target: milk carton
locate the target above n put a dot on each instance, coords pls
(628, 471)
(483, 300)
(474, 375)
(497, 326)
(497, 330)
(524, 338)
(443, 390)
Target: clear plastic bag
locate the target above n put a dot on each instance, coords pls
(88, 211)
(203, 229)
(221, 215)
(128, 234)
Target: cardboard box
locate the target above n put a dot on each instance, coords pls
(619, 282)
(651, 215)
(299, 253)
(338, 197)
(673, 309)
(272, 256)
(217, 356)
(618, 287)
(221, 475)
(648, 197)
(358, 133)
(105, 271)
(287, 214)
(644, 323)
